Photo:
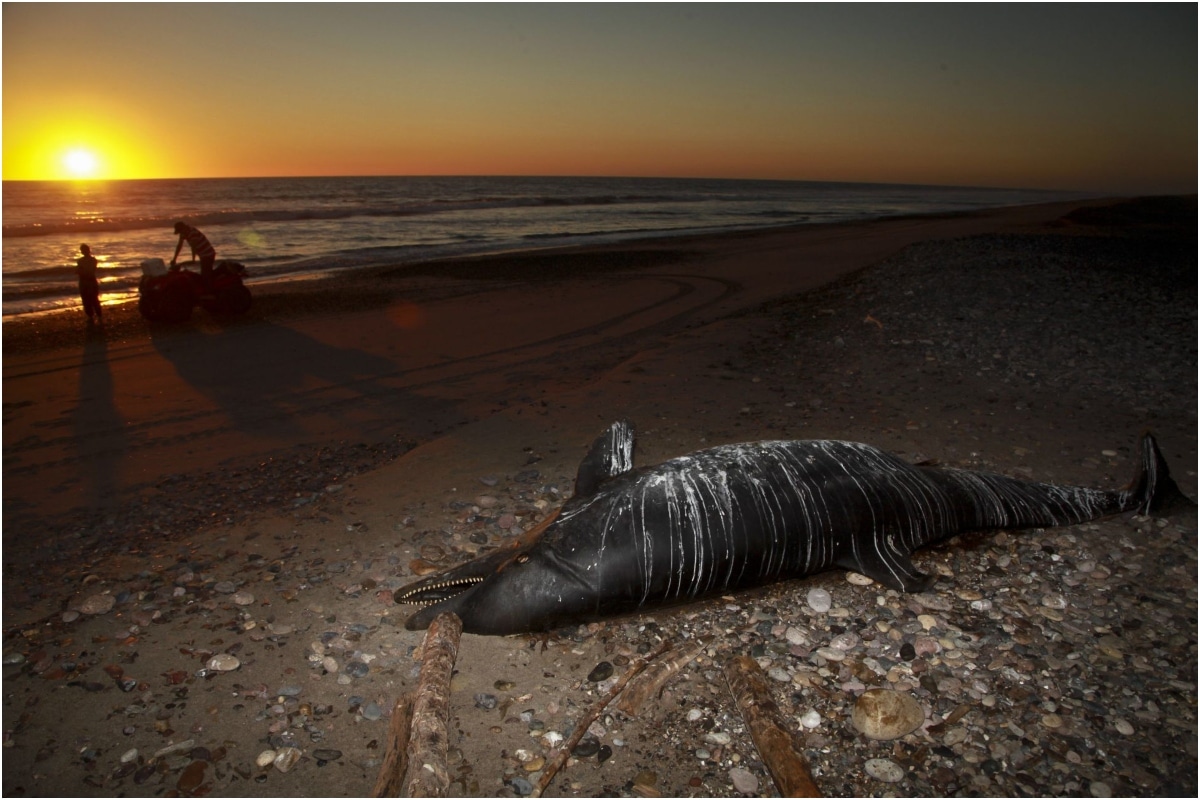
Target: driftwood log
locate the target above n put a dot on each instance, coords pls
(780, 750)
(641, 691)
(422, 770)
(395, 759)
(560, 758)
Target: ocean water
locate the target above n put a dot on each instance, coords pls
(283, 228)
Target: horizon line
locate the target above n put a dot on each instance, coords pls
(584, 177)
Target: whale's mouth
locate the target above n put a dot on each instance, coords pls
(454, 589)
(434, 593)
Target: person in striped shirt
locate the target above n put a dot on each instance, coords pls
(201, 248)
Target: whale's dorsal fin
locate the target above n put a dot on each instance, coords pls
(610, 455)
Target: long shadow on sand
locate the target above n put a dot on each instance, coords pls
(98, 426)
(270, 379)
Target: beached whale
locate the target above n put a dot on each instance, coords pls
(744, 515)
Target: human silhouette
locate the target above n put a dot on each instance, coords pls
(89, 284)
(201, 248)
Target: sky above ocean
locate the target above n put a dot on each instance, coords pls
(1081, 96)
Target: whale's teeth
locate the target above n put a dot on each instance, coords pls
(413, 596)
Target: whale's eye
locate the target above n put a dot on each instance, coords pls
(521, 559)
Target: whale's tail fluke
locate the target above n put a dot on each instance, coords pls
(1152, 488)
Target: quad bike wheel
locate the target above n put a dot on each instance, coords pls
(171, 302)
(231, 299)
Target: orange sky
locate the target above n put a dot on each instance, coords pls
(1075, 97)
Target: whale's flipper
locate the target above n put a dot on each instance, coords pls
(609, 456)
(889, 566)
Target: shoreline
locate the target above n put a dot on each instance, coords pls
(272, 282)
(33, 331)
(330, 224)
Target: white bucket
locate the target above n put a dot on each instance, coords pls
(154, 267)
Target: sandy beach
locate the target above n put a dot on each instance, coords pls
(259, 487)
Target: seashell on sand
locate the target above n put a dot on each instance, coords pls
(286, 758)
(884, 714)
(223, 662)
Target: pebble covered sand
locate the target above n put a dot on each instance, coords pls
(262, 657)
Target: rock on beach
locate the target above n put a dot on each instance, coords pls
(98, 604)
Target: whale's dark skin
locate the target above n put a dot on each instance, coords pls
(738, 516)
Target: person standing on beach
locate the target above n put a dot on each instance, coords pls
(89, 284)
(201, 248)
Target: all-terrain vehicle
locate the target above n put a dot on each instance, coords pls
(169, 295)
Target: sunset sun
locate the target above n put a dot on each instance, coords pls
(80, 163)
